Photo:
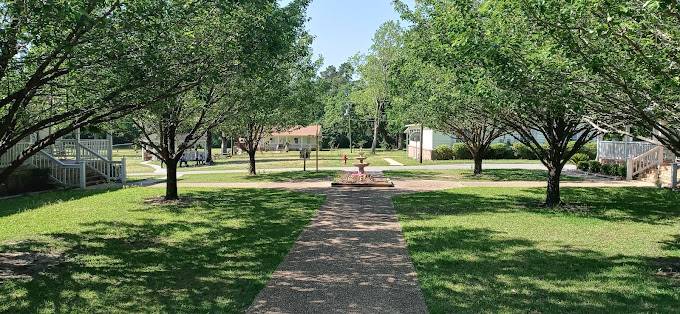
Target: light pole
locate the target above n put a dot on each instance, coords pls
(349, 121)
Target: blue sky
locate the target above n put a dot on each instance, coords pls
(344, 27)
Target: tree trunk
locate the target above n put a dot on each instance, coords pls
(171, 182)
(400, 143)
(553, 198)
(376, 124)
(478, 158)
(251, 168)
(208, 148)
(223, 146)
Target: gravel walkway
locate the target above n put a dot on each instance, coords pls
(352, 259)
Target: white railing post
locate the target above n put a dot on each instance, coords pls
(123, 171)
(629, 169)
(109, 142)
(77, 144)
(83, 175)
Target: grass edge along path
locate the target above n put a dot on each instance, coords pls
(468, 175)
(495, 250)
(212, 253)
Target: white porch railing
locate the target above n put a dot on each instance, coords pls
(111, 170)
(15, 151)
(622, 151)
(101, 147)
(73, 175)
(653, 158)
(67, 161)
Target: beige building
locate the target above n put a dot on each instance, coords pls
(296, 138)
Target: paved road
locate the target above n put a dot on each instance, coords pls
(351, 259)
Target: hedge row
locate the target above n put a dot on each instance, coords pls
(594, 166)
(499, 151)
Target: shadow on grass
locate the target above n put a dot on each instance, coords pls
(673, 244)
(290, 176)
(213, 255)
(19, 204)
(647, 205)
(467, 175)
(245, 161)
(481, 270)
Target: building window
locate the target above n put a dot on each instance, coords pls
(296, 141)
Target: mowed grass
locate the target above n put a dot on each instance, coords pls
(211, 253)
(496, 250)
(133, 160)
(468, 175)
(291, 159)
(288, 176)
(407, 161)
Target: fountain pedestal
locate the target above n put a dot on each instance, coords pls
(360, 178)
(361, 165)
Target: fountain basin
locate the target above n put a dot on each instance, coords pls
(356, 179)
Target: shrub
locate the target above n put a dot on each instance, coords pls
(25, 180)
(608, 169)
(442, 152)
(500, 151)
(579, 157)
(621, 170)
(460, 151)
(522, 151)
(589, 149)
(583, 165)
(594, 166)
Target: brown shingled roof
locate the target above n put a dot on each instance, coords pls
(300, 131)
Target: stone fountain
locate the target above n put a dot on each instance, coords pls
(360, 178)
(361, 165)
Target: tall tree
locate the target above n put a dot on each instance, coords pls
(69, 64)
(458, 97)
(171, 127)
(543, 91)
(335, 86)
(376, 71)
(540, 96)
(630, 47)
(234, 43)
(281, 92)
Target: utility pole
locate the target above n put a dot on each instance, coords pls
(351, 146)
(348, 114)
(422, 129)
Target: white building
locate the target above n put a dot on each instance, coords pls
(433, 138)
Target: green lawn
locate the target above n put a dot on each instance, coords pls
(127, 153)
(468, 175)
(134, 165)
(289, 176)
(122, 254)
(495, 250)
(274, 160)
(404, 159)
